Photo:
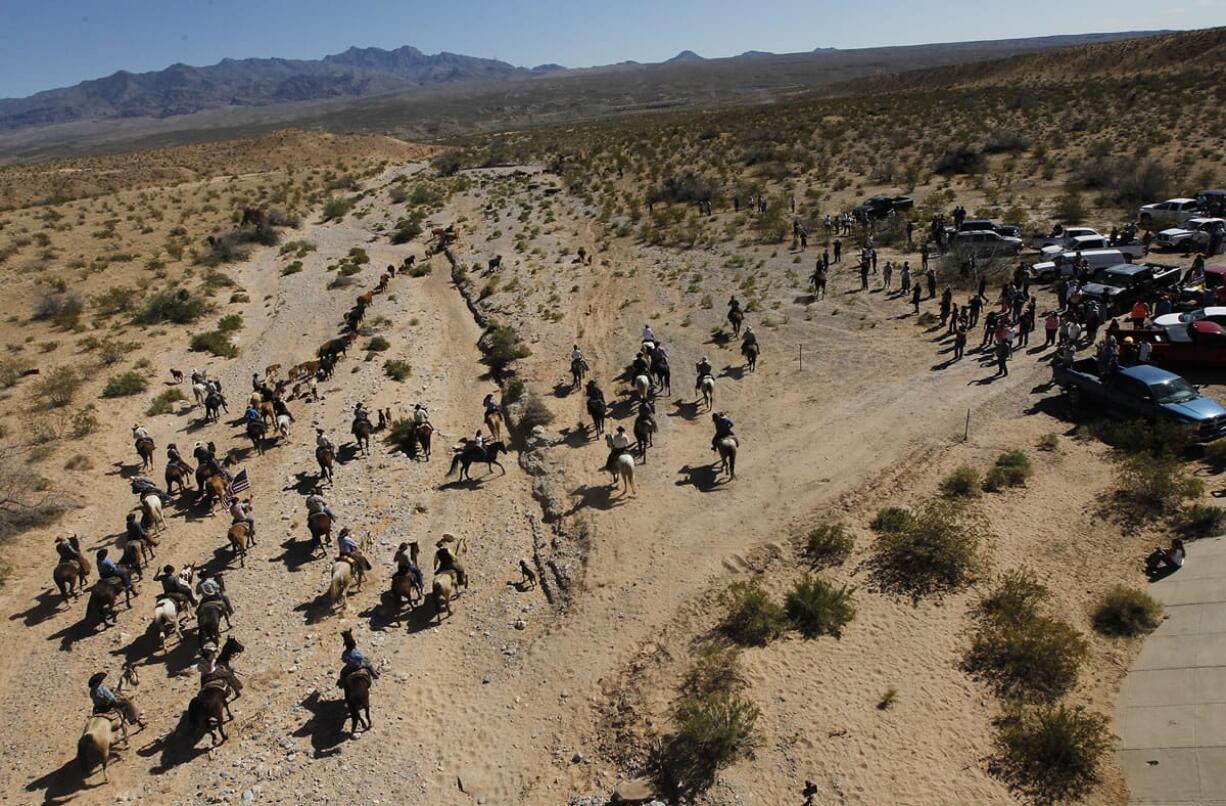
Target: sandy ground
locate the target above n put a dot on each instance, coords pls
(513, 700)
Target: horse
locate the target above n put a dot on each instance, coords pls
(213, 490)
(361, 434)
(493, 421)
(750, 351)
(727, 455)
(642, 387)
(102, 598)
(706, 386)
(597, 410)
(471, 452)
(342, 575)
(208, 621)
(180, 474)
(145, 448)
(151, 511)
(200, 391)
(267, 413)
(241, 539)
(423, 434)
(209, 709)
(132, 559)
(578, 369)
(166, 620)
(356, 686)
(70, 576)
(443, 591)
(229, 649)
(405, 588)
(644, 428)
(94, 746)
(623, 469)
(325, 457)
(320, 524)
(494, 263)
(213, 404)
(176, 376)
(283, 423)
(256, 431)
(663, 375)
(736, 318)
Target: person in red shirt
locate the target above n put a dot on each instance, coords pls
(1140, 312)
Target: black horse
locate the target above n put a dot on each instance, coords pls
(475, 453)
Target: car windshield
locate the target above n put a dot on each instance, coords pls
(1173, 391)
(1114, 280)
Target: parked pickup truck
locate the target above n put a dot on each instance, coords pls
(1196, 344)
(1118, 287)
(1144, 392)
(984, 225)
(1196, 233)
(882, 206)
(1062, 264)
(1063, 239)
(1084, 243)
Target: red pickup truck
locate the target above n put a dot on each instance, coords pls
(1201, 344)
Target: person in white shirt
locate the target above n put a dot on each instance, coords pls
(139, 433)
(619, 443)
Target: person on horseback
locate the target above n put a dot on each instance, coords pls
(734, 305)
(619, 443)
(478, 440)
(723, 428)
(252, 415)
(239, 514)
(639, 366)
(576, 354)
(173, 458)
(750, 338)
(360, 413)
(139, 433)
(68, 553)
(648, 335)
(201, 453)
(256, 384)
(211, 591)
(647, 409)
(353, 660)
(491, 407)
(175, 588)
(133, 528)
(658, 354)
(280, 409)
(106, 702)
(422, 417)
(594, 391)
(107, 569)
(346, 544)
(315, 503)
(322, 441)
(703, 367)
(405, 565)
(445, 560)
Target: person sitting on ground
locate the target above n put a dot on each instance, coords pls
(108, 569)
(1161, 559)
(723, 429)
(211, 591)
(315, 503)
(353, 660)
(619, 443)
(175, 588)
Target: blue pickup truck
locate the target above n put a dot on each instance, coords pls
(1144, 392)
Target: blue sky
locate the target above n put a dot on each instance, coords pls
(60, 42)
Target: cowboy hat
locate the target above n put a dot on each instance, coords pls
(96, 678)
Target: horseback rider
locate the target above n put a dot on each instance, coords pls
(445, 560)
(139, 433)
(134, 530)
(421, 416)
(576, 355)
(619, 443)
(723, 428)
(107, 569)
(361, 414)
(734, 305)
(750, 338)
(703, 368)
(322, 441)
(256, 384)
(405, 565)
(478, 440)
(490, 406)
(315, 503)
(280, 409)
(648, 335)
(658, 354)
(68, 552)
(640, 366)
(239, 514)
(211, 671)
(252, 415)
(106, 702)
(347, 546)
(173, 457)
(353, 660)
(201, 453)
(175, 588)
(211, 591)
(594, 392)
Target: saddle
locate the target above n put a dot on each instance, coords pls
(213, 681)
(213, 603)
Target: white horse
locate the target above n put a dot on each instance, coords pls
(706, 385)
(642, 387)
(201, 392)
(166, 620)
(283, 426)
(623, 469)
(94, 746)
(342, 575)
(152, 506)
(727, 455)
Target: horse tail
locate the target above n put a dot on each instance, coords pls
(455, 465)
(86, 747)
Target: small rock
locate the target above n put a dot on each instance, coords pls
(576, 758)
(634, 790)
(519, 624)
(248, 796)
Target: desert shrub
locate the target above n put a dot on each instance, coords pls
(1215, 454)
(177, 306)
(78, 462)
(687, 188)
(378, 344)
(25, 501)
(61, 309)
(1140, 436)
(165, 402)
(1156, 486)
(214, 342)
(336, 207)
(503, 347)
(818, 608)
(292, 268)
(513, 392)
(59, 386)
(231, 323)
(1006, 142)
(1053, 753)
(1070, 208)
(960, 160)
(1035, 658)
(1201, 520)
(1012, 468)
(752, 617)
(112, 351)
(1016, 598)
(447, 163)
(1127, 611)
(84, 422)
(829, 544)
(11, 370)
(936, 551)
(115, 300)
(1048, 442)
(125, 384)
(397, 370)
(421, 269)
(962, 483)
(406, 229)
(891, 520)
(534, 413)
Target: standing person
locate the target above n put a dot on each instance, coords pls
(915, 298)
(946, 301)
(1002, 359)
(1024, 326)
(838, 250)
(887, 276)
(863, 274)
(1051, 324)
(959, 342)
(1140, 311)
(904, 279)
(924, 256)
(932, 284)
(826, 256)
(975, 305)
(910, 231)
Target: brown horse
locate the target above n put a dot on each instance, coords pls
(256, 432)
(361, 434)
(443, 590)
(240, 540)
(70, 576)
(493, 421)
(94, 746)
(404, 588)
(267, 413)
(208, 621)
(750, 351)
(320, 524)
(356, 686)
(145, 448)
(209, 710)
(178, 474)
(736, 318)
(325, 457)
(419, 436)
(131, 558)
(213, 491)
(102, 598)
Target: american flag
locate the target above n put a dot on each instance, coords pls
(240, 483)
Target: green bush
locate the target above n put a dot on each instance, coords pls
(125, 384)
(1016, 598)
(177, 306)
(378, 344)
(1141, 436)
(962, 483)
(1035, 658)
(421, 269)
(752, 618)
(232, 323)
(829, 544)
(292, 268)
(215, 342)
(397, 370)
(712, 730)
(513, 392)
(1048, 442)
(1201, 520)
(1011, 470)
(1215, 454)
(1053, 753)
(1156, 485)
(504, 347)
(818, 608)
(891, 520)
(59, 386)
(534, 413)
(115, 299)
(61, 309)
(935, 552)
(336, 207)
(165, 402)
(1127, 611)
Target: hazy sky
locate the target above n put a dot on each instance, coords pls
(56, 43)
